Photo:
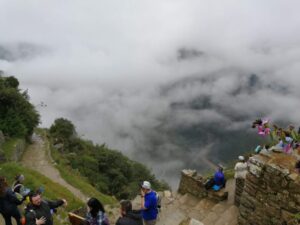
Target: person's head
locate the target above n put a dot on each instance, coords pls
(35, 198)
(20, 178)
(95, 206)
(241, 158)
(3, 185)
(126, 207)
(146, 186)
(220, 168)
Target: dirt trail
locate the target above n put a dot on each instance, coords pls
(37, 157)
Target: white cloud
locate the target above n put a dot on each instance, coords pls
(112, 67)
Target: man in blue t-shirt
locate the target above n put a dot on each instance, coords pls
(148, 204)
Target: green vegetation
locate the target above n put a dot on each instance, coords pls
(73, 177)
(35, 180)
(53, 190)
(18, 117)
(8, 147)
(109, 171)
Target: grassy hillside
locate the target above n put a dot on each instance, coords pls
(52, 189)
(108, 170)
(73, 177)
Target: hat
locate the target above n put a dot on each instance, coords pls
(242, 158)
(146, 185)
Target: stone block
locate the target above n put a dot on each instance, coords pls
(255, 170)
(191, 221)
(218, 195)
(167, 194)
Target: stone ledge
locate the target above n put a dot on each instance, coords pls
(217, 196)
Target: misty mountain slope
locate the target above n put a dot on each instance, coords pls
(204, 116)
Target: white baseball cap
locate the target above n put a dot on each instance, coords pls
(242, 158)
(146, 185)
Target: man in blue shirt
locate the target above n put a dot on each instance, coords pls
(148, 204)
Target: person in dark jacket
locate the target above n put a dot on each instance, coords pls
(129, 216)
(39, 211)
(9, 203)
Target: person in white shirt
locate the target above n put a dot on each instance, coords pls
(241, 168)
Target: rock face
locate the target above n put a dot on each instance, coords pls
(271, 195)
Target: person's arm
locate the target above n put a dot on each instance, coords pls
(31, 219)
(12, 197)
(56, 204)
(143, 202)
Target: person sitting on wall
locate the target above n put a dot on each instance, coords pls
(218, 181)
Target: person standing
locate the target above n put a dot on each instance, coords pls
(240, 169)
(39, 211)
(96, 214)
(148, 204)
(9, 203)
(129, 216)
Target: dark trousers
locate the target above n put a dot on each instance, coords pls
(7, 217)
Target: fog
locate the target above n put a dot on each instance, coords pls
(162, 81)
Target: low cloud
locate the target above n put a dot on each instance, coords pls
(162, 82)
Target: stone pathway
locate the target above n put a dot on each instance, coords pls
(36, 157)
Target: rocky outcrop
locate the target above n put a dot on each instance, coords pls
(271, 195)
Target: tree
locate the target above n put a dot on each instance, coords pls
(63, 130)
(18, 117)
(11, 82)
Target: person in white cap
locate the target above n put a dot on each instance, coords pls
(148, 204)
(241, 168)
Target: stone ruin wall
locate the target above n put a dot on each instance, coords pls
(271, 195)
(192, 183)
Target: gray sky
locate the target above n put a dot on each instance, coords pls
(116, 68)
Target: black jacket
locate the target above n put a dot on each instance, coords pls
(9, 202)
(131, 218)
(33, 212)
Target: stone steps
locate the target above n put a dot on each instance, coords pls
(177, 207)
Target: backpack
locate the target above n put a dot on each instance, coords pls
(158, 200)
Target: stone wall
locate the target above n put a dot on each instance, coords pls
(271, 195)
(239, 188)
(192, 183)
(15, 153)
(18, 150)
